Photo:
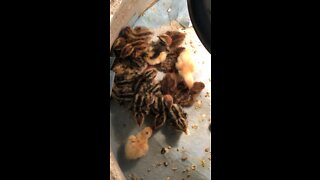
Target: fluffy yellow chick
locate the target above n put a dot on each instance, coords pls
(186, 67)
(137, 146)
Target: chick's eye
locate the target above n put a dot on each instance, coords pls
(147, 133)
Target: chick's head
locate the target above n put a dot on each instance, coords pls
(146, 132)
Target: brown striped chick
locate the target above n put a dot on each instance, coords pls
(157, 60)
(177, 38)
(139, 33)
(158, 51)
(169, 83)
(137, 145)
(169, 65)
(134, 49)
(186, 67)
(187, 98)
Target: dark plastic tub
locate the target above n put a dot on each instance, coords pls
(200, 15)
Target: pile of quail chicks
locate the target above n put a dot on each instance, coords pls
(138, 60)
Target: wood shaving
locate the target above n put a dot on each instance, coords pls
(183, 158)
(174, 169)
(193, 167)
(194, 126)
(168, 178)
(203, 162)
(198, 104)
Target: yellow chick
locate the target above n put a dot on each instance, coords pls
(137, 146)
(186, 67)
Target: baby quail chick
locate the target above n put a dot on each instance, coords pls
(165, 40)
(137, 146)
(169, 83)
(157, 60)
(186, 67)
(169, 65)
(176, 37)
(159, 50)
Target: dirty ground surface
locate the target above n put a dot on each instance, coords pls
(196, 146)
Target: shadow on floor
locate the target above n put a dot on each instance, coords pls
(171, 134)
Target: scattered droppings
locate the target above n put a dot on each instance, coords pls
(193, 167)
(209, 158)
(166, 164)
(203, 162)
(163, 150)
(169, 10)
(158, 164)
(194, 126)
(188, 175)
(149, 170)
(207, 94)
(169, 147)
(174, 169)
(209, 120)
(183, 171)
(178, 149)
(206, 149)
